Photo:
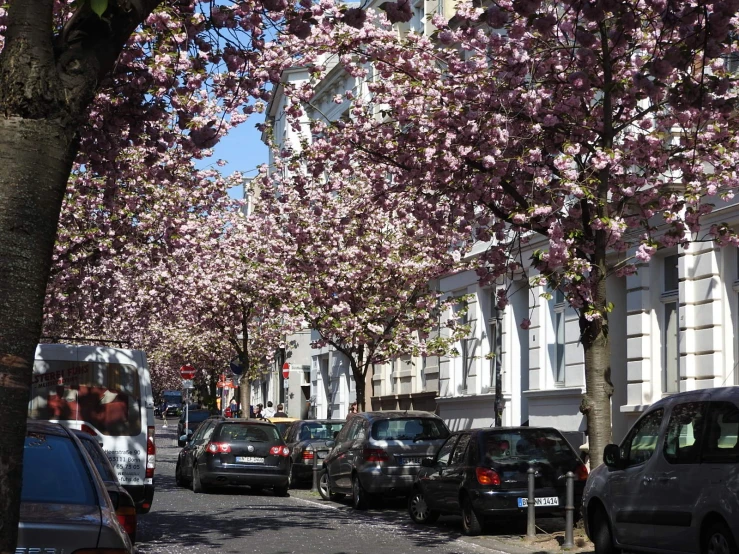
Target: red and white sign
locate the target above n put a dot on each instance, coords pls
(187, 372)
(286, 370)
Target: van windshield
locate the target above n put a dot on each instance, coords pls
(107, 396)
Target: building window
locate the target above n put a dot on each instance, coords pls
(496, 343)
(671, 328)
(393, 374)
(559, 305)
(460, 311)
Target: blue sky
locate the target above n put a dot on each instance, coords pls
(244, 151)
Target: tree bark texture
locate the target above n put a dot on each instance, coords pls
(47, 81)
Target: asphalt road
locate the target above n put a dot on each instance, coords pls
(237, 520)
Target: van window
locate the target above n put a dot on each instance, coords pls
(409, 429)
(642, 440)
(105, 395)
(683, 431)
(720, 444)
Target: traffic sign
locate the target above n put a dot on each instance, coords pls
(187, 384)
(286, 370)
(236, 367)
(187, 372)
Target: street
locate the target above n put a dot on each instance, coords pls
(239, 520)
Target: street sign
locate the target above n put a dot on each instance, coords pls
(187, 384)
(187, 372)
(286, 370)
(236, 367)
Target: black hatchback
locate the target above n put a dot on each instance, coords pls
(483, 473)
(235, 452)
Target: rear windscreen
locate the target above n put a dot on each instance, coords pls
(409, 429)
(54, 471)
(105, 395)
(525, 444)
(234, 432)
(319, 430)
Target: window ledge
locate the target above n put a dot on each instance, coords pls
(633, 408)
(558, 392)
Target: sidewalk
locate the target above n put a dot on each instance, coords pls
(550, 531)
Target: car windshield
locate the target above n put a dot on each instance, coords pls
(54, 471)
(319, 430)
(415, 428)
(235, 432)
(526, 444)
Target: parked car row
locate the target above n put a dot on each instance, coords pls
(477, 473)
(71, 499)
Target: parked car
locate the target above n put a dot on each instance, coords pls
(672, 482)
(380, 453)
(64, 503)
(194, 419)
(307, 439)
(480, 473)
(234, 452)
(125, 507)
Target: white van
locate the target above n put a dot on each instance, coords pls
(106, 392)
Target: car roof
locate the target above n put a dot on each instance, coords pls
(244, 420)
(394, 414)
(38, 426)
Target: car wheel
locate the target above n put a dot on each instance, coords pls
(419, 509)
(178, 475)
(470, 522)
(281, 491)
(601, 534)
(360, 498)
(197, 485)
(324, 488)
(719, 540)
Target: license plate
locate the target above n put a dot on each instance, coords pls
(546, 501)
(249, 459)
(410, 461)
(321, 455)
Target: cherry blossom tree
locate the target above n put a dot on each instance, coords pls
(361, 273)
(607, 127)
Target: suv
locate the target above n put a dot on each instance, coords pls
(380, 453)
(671, 484)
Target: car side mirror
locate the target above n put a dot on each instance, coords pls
(330, 443)
(427, 462)
(612, 456)
(185, 438)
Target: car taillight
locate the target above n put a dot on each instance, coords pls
(375, 455)
(218, 448)
(581, 473)
(127, 518)
(307, 454)
(280, 451)
(487, 476)
(151, 452)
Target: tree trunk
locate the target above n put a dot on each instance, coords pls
(36, 157)
(245, 395)
(596, 402)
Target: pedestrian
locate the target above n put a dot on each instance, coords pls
(258, 412)
(280, 411)
(234, 407)
(269, 410)
(352, 408)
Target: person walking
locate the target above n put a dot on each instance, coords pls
(280, 411)
(352, 409)
(269, 411)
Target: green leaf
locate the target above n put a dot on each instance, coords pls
(99, 6)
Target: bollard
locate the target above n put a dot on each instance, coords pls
(314, 488)
(531, 505)
(569, 511)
